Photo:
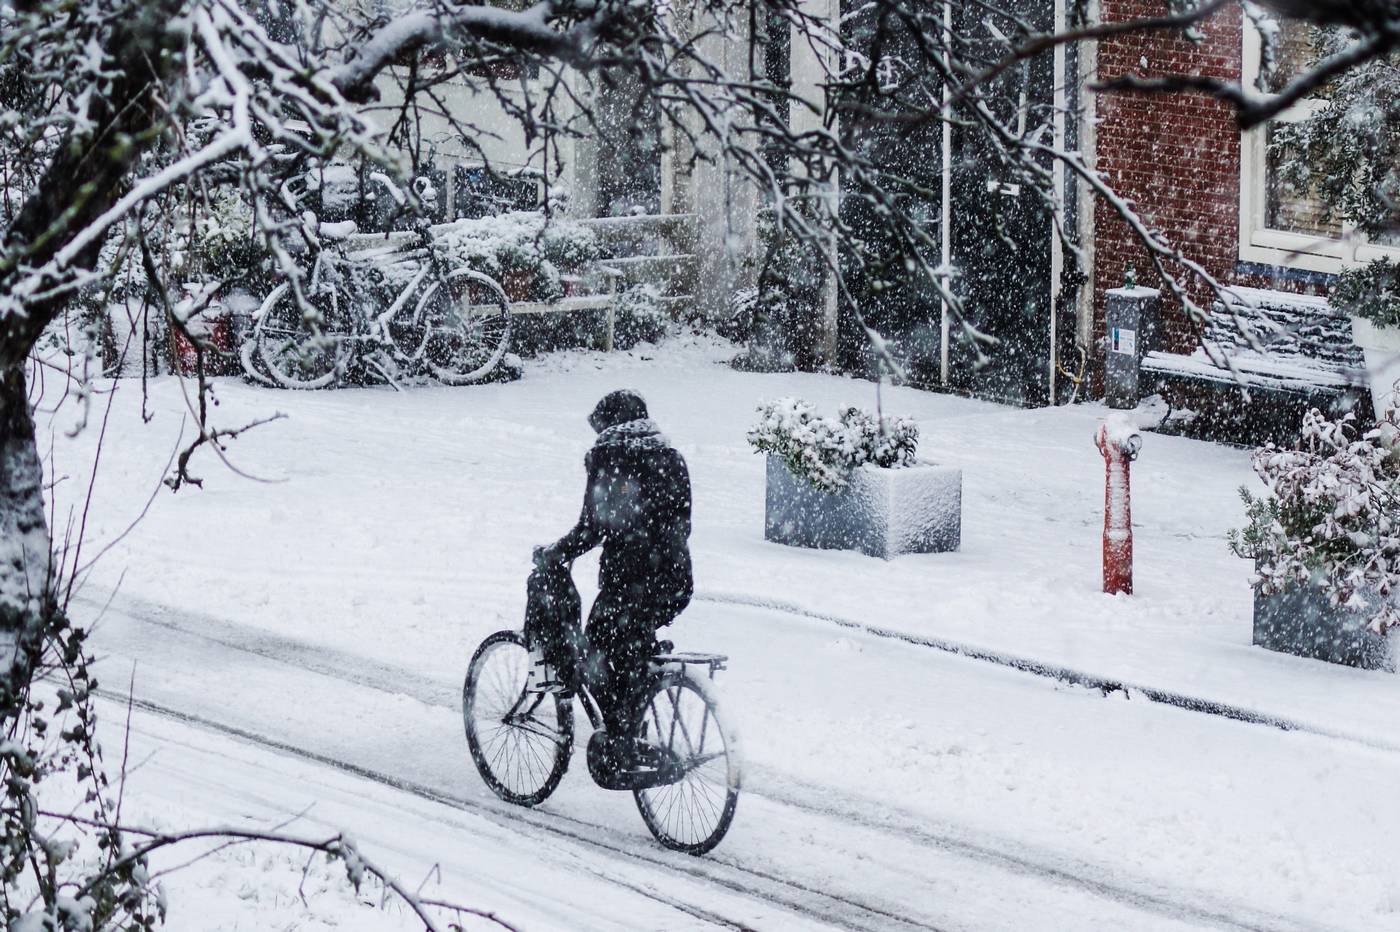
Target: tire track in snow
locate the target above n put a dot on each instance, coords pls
(896, 823)
(387, 678)
(769, 889)
(314, 657)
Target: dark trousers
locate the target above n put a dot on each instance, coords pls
(621, 639)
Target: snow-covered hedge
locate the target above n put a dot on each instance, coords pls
(522, 241)
(822, 450)
(1331, 516)
(1370, 291)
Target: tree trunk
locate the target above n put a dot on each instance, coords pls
(91, 170)
(25, 552)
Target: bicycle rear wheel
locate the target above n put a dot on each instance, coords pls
(519, 741)
(302, 347)
(466, 326)
(695, 812)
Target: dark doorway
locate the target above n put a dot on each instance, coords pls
(902, 305)
(1000, 230)
(999, 233)
(629, 147)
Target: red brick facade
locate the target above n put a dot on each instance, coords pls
(1175, 157)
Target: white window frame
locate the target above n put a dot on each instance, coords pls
(1259, 243)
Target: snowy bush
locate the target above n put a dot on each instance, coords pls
(823, 451)
(782, 314)
(522, 241)
(1330, 516)
(741, 313)
(223, 243)
(1371, 291)
(640, 316)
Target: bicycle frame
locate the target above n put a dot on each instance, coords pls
(369, 329)
(377, 329)
(661, 665)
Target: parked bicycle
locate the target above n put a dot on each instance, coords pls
(393, 305)
(521, 740)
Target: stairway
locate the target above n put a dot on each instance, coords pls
(656, 249)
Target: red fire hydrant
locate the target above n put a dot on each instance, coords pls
(1119, 444)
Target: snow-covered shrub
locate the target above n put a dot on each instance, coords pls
(822, 450)
(740, 315)
(522, 241)
(1371, 291)
(780, 318)
(222, 241)
(640, 316)
(1331, 516)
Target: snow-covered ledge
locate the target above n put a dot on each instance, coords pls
(882, 512)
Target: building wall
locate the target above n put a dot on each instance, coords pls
(1176, 158)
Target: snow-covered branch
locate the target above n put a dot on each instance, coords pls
(528, 31)
(1253, 108)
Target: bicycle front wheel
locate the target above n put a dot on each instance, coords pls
(301, 346)
(520, 741)
(683, 717)
(466, 326)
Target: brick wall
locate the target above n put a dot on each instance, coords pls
(1176, 158)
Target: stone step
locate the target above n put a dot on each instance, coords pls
(646, 234)
(672, 274)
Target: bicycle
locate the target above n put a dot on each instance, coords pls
(451, 321)
(521, 740)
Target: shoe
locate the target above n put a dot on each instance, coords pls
(542, 677)
(629, 764)
(649, 757)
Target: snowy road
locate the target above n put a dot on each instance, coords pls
(889, 787)
(331, 612)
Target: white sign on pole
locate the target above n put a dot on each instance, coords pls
(1124, 341)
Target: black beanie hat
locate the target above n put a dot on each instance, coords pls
(617, 407)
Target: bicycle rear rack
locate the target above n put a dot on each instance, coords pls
(715, 662)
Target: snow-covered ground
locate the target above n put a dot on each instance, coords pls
(331, 610)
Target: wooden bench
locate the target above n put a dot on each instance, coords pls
(1266, 358)
(596, 301)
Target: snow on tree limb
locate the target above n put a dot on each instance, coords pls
(1253, 108)
(527, 30)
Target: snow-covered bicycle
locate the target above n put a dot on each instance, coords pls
(521, 740)
(390, 306)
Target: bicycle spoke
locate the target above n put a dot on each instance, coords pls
(692, 813)
(519, 737)
(675, 698)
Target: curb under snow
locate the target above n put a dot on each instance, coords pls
(1052, 671)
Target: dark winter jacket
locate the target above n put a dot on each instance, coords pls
(637, 505)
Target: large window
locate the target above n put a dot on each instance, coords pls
(1282, 223)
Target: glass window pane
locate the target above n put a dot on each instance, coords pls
(1294, 53)
(1289, 208)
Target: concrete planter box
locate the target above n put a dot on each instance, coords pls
(1300, 620)
(882, 513)
(1381, 348)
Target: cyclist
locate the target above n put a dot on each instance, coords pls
(637, 506)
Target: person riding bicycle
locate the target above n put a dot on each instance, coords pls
(637, 506)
